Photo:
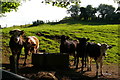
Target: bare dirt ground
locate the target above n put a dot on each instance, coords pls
(111, 72)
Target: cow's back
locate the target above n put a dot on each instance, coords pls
(36, 40)
(93, 50)
(68, 47)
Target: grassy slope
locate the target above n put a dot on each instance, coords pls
(50, 36)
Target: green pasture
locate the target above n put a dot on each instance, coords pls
(50, 36)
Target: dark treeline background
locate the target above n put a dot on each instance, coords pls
(103, 13)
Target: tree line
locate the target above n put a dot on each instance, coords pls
(103, 12)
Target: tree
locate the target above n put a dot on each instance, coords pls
(65, 3)
(8, 6)
(38, 22)
(61, 3)
(13, 5)
(74, 11)
(83, 14)
(113, 18)
(105, 10)
(90, 11)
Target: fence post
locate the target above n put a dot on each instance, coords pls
(13, 63)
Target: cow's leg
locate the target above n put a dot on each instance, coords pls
(26, 53)
(101, 66)
(86, 58)
(89, 63)
(82, 63)
(25, 60)
(97, 67)
(18, 57)
(77, 62)
(14, 60)
(13, 63)
(36, 50)
(74, 59)
(85, 61)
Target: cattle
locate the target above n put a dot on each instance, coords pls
(16, 42)
(68, 47)
(95, 51)
(81, 51)
(31, 45)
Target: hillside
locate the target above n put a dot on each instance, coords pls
(50, 36)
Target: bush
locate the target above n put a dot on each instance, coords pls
(38, 22)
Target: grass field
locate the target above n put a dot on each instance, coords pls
(50, 36)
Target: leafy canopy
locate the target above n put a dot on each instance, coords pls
(105, 9)
(9, 6)
(61, 3)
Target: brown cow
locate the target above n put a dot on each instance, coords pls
(68, 47)
(31, 45)
(16, 42)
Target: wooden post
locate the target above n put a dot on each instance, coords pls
(13, 63)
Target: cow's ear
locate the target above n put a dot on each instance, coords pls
(22, 32)
(67, 37)
(109, 47)
(88, 39)
(63, 37)
(11, 32)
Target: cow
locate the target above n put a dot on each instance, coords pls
(81, 51)
(31, 45)
(16, 43)
(68, 47)
(95, 51)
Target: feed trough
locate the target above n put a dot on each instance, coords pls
(50, 60)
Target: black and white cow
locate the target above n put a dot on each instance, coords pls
(97, 52)
(94, 51)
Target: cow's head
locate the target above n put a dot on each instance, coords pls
(63, 38)
(16, 33)
(31, 45)
(104, 48)
(83, 40)
(33, 48)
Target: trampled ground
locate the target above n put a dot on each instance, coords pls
(111, 72)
